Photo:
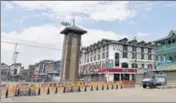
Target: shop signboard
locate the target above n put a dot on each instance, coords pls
(163, 63)
(109, 64)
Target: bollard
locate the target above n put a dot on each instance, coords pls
(112, 86)
(97, 88)
(121, 86)
(64, 90)
(103, 87)
(117, 86)
(85, 89)
(48, 92)
(39, 91)
(56, 91)
(18, 92)
(79, 89)
(91, 89)
(29, 92)
(107, 87)
(7, 93)
(71, 89)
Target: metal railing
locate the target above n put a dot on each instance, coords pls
(167, 48)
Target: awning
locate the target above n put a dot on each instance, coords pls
(117, 70)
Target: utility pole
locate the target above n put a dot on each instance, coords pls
(14, 54)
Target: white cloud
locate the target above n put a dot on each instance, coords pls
(96, 10)
(170, 5)
(8, 5)
(45, 35)
(131, 22)
(142, 34)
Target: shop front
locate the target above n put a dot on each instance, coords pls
(118, 74)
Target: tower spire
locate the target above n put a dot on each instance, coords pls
(73, 21)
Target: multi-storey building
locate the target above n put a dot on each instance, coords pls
(115, 60)
(166, 55)
(16, 69)
(45, 70)
(166, 48)
(5, 72)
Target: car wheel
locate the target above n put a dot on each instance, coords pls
(144, 85)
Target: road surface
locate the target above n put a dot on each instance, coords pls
(137, 94)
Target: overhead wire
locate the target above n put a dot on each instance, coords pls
(29, 45)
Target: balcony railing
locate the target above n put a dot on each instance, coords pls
(167, 48)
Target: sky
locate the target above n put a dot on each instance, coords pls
(38, 23)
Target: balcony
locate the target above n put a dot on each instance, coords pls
(165, 49)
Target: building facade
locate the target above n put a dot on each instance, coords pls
(166, 55)
(16, 69)
(5, 72)
(45, 70)
(166, 49)
(112, 60)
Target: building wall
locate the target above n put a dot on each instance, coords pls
(17, 67)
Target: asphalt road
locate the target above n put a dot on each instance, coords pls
(137, 94)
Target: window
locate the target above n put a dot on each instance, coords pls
(125, 47)
(85, 59)
(107, 54)
(94, 57)
(103, 55)
(173, 40)
(133, 48)
(149, 57)
(142, 65)
(103, 48)
(91, 59)
(142, 49)
(91, 53)
(157, 58)
(15, 71)
(98, 50)
(124, 54)
(149, 50)
(107, 47)
(98, 56)
(169, 42)
(94, 51)
(124, 65)
(134, 65)
(116, 59)
(134, 55)
(170, 58)
(150, 66)
(142, 56)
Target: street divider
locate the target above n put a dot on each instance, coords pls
(34, 89)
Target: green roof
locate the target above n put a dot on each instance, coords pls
(171, 33)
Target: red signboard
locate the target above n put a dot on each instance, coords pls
(113, 70)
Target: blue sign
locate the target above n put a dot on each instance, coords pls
(109, 64)
(161, 63)
(57, 67)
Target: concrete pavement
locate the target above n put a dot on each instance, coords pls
(137, 94)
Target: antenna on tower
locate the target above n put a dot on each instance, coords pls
(135, 38)
(73, 21)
